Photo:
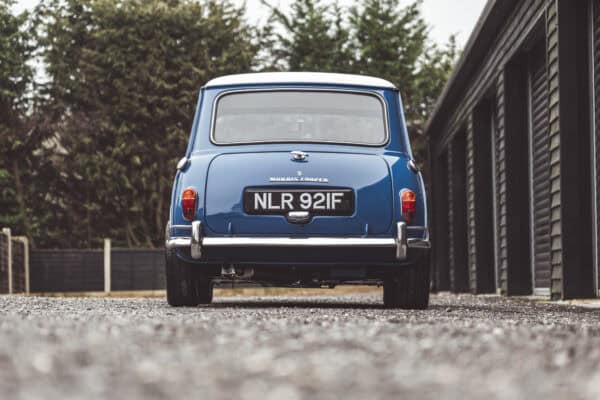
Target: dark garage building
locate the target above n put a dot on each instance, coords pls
(515, 154)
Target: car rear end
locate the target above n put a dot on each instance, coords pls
(301, 183)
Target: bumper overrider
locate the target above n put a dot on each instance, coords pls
(196, 243)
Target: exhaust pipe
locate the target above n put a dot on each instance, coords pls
(230, 272)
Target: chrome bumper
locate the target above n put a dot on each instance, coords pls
(196, 242)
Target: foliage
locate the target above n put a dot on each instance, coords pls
(390, 42)
(311, 38)
(16, 139)
(434, 72)
(15, 73)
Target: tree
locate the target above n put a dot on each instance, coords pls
(390, 41)
(124, 80)
(435, 69)
(311, 38)
(18, 160)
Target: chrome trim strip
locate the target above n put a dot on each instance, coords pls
(175, 242)
(401, 243)
(184, 241)
(298, 217)
(366, 92)
(297, 242)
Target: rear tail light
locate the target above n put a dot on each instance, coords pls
(188, 203)
(409, 204)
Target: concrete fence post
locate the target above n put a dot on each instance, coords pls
(25, 241)
(107, 265)
(6, 231)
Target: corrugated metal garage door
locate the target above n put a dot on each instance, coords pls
(459, 272)
(441, 225)
(540, 169)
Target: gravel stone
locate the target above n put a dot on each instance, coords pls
(318, 347)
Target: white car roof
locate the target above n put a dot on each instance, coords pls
(300, 77)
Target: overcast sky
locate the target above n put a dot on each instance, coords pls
(444, 16)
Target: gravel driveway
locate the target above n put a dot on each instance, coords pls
(286, 348)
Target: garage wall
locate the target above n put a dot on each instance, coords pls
(595, 4)
(539, 63)
(575, 130)
(519, 19)
(513, 23)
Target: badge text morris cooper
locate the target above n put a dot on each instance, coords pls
(298, 179)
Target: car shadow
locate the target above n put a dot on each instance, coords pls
(477, 310)
(315, 303)
(294, 304)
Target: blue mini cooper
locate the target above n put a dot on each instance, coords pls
(299, 180)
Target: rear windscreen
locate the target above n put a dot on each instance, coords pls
(299, 116)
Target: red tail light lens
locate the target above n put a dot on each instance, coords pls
(409, 204)
(188, 203)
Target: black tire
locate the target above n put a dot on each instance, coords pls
(409, 287)
(204, 288)
(187, 284)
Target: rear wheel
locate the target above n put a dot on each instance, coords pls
(408, 288)
(187, 284)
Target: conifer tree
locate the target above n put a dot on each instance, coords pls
(17, 160)
(312, 37)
